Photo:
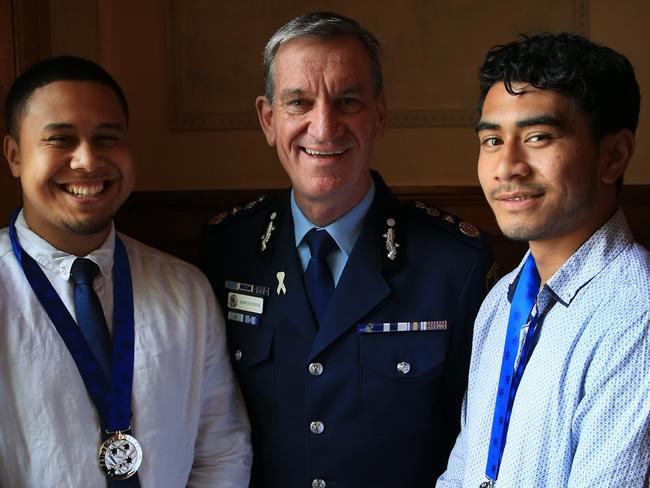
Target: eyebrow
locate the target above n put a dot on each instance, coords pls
(352, 90)
(290, 92)
(64, 125)
(549, 120)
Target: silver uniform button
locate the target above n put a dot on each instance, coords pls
(238, 355)
(403, 367)
(317, 427)
(318, 483)
(315, 369)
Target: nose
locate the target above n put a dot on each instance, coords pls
(86, 157)
(512, 162)
(325, 124)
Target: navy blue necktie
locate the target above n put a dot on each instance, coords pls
(90, 315)
(318, 276)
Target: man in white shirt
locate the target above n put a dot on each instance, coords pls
(157, 392)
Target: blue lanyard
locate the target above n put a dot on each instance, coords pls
(112, 400)
(522, 304)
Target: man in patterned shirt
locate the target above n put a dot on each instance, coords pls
(565, 400)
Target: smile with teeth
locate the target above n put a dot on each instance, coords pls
(314, 152)
(84, 190)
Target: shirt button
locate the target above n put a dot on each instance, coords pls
(403, 367)
(315, 369)
(318, 483)
(238, 355)
(317, 427)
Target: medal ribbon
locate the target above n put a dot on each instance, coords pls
(520, 309)
(112, 400)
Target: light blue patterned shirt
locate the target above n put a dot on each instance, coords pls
(581, 416)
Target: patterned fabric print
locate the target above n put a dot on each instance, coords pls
(581, 414)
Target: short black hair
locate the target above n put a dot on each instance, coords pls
(599, 81)
(58, 68)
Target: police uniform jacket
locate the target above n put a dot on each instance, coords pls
(349, 405)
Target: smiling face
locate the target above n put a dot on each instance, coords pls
(323, 121)
(543, 174)
(73, 162)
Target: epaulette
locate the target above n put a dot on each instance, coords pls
(227, 215)
(453, 224)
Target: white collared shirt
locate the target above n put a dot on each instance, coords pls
(187, 411)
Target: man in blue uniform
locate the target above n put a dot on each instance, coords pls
(349, 314)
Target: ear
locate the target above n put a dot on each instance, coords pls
(616, 151)
(12, 153)
(381, 113)
(265, 116)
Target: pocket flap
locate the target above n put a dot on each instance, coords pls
(402, 354)
(249, 345)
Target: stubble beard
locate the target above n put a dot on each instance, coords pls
(87, 227)
(562, 219)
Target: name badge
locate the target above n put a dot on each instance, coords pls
(246, 303)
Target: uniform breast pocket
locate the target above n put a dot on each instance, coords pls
(401, 375)
(251, 350)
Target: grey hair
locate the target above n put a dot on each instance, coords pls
(325, 25)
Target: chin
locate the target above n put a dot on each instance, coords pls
(88, 227)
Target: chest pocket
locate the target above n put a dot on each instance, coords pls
(401, 376)
(251, 351)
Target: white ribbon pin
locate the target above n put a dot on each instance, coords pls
(281, 288)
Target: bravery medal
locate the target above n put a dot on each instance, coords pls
(120, 456)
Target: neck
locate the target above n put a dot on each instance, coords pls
(550, 254)
(69, 241)
(83, 246)
(322, 212)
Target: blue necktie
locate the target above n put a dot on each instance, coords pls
(318, 276)
(90, 315)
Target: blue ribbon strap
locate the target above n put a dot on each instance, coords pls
(522, 304)
(112, 400)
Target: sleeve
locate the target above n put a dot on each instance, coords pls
(453, 477)
(611, 426)
(222, 453)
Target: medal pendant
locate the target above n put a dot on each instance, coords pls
(488, 484)
(120, 456)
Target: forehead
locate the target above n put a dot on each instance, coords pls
(309, 58)
(73, 102)
(500, 106)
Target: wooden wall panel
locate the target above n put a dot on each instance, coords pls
(8, 186)
(216, 73)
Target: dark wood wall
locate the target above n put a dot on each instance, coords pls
(173, 221)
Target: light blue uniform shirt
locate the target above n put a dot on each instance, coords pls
(581, 416)
(345, 230)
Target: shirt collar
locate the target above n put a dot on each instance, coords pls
(60, 262)
(343, 230)
(590, 258)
